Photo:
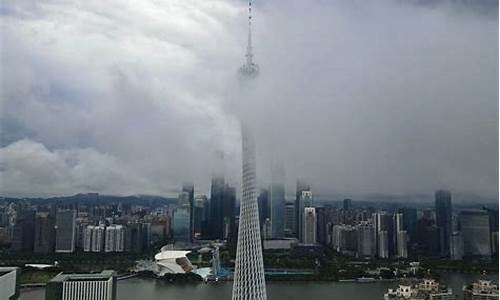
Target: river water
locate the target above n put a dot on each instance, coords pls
(148, 289)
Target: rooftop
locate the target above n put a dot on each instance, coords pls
(104, 275)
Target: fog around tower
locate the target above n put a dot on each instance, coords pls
(357, 97)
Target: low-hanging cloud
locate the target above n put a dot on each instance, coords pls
(356, 96)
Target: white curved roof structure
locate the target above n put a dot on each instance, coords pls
(173, 262)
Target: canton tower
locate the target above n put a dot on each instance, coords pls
(249, 283)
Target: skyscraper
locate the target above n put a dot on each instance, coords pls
(23, 232)
(263, 203)
(44, 233)
(217, 207)
(474, 225)
(366, 240)
(189, 188)
(65, 231)
(249, 282)
(115, 238)
(301, 186)
(305, 200)
(277, 202)
(443, 220)
(228, 213)
(310, 223)
(199, 219)
(181, 226)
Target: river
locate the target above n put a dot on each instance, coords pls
(147, 289)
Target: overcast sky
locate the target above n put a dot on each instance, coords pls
(358, 97)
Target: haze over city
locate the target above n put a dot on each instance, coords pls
(358, 97)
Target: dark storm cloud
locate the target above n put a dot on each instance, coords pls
(356, 96)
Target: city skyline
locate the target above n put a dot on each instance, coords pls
(366, 98)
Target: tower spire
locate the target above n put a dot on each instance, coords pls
(249, 69)
(249, 53)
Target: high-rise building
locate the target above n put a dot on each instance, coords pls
(217, 207)
(301, 186)
(65, 231)
(444, 219)
(410, 222)
(345, 239)
(277, 202)
(189, 189)
(93, 238)
(136, 237)
(100, 286)
(182, 217)
(23, 231)
(457, 246)
(402, 244)
(9, 287)
(44, 233)
(263, 203)
(475, 228)
(200, 218)
(229, 214)
(249, 281)
(115, 239)
(305, 200)
(366, 240)
(383, 244)
(384, 221)
(289, 219)
(310, 224)
(322, 221)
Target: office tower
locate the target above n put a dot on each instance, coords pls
(301, 186)
(400, 236)
(44, 233)
(263, 203)
(457, 246)
(494, 243)
(182, 223)
(402, 244)
(115, 238)
(428, 237)
(189, 188)
(277, 201)
(310, 224)
(385, 222)
(383, 244)
(249, 282)
(322, 221)
(229, 214)
(366, 240)
(289, 219)
(9, 286)
(23, 231)
(305, 200)
(347, 204)
(410, 222)
(217, 207)
(199, 219)
(95, 286)
(444, 219)
(65, 231)
(135, 240)
(475, 228)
